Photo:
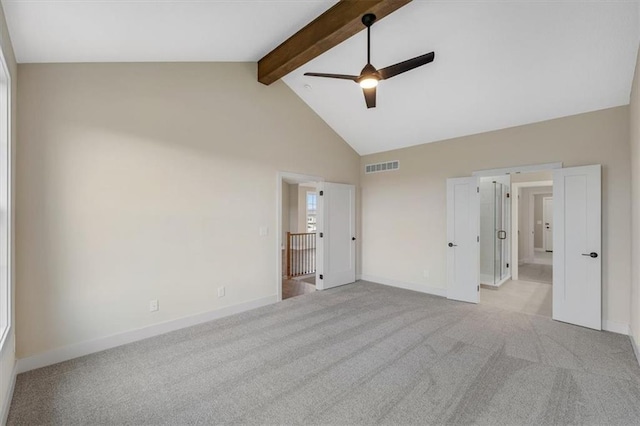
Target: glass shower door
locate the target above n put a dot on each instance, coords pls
(493, 232)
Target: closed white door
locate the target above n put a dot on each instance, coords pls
(336, 238)
(547, 223)
(463, 235)
(577, 256)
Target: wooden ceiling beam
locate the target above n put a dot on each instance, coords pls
(328, 30)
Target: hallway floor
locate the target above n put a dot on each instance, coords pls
(297, 287)
(536, 273)
(520, 296)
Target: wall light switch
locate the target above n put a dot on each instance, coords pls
(153, 306)
(220, 291)
(264, 231)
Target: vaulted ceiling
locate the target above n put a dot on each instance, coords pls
(498, 64)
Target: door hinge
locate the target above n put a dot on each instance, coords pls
(321, 235)
(507, 265)
(508, 195)
(321, 193)
(478, 287)
(478, 189)
(321, 277)
(478, 238)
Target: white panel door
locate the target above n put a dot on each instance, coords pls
(463, 248)
(577, 257)
(336, 237)
(547, 227)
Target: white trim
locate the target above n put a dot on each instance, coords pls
(636, 348)
(6, 404)
(484, 279)
(518, 170)
(280, 178)
(615, 327)
(436, 291)
(545, 238)
(533, 184)
(10, 237)
(91, 346)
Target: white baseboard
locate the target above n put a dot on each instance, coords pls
(6, 404)
(615, 327)
(422, 288)
(358, 277)
(66, 353)
(636, 348)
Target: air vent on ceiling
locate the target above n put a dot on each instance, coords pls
(387, 166)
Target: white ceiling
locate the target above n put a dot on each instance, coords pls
(154, 30)
(498, 63)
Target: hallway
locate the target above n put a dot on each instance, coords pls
(520, 296)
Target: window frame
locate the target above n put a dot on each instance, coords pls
(315, 193)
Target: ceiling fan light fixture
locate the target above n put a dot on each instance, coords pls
(369, 76)
(368, 82)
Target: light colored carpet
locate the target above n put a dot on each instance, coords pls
(359, 354)
(535, 272)
(520, 296)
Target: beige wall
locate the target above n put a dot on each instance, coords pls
(293, 207)
(151, 181)
(634, 112)
(285, 212)
(7, 353)
(403, 212)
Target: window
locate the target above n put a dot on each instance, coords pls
(312, 204)
(5, 202)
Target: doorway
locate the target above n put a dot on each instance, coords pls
(529, 288)
(556, 268)
(316, 244)
(299, 237)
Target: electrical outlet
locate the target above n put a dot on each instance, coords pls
(425, 273)
(153, 306)
(220, 291)
(264, 231)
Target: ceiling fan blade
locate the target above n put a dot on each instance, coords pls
(340, 76)
(370, 97)
(408, 65)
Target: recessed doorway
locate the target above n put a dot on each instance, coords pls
(531, 290)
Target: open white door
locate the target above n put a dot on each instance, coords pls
(577, 257)
(547, 223)
(463, 234)
(336, 238)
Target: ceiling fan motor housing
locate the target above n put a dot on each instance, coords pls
(368, 19)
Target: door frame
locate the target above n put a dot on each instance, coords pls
(295, 178)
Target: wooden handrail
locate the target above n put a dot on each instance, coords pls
(301, 254)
